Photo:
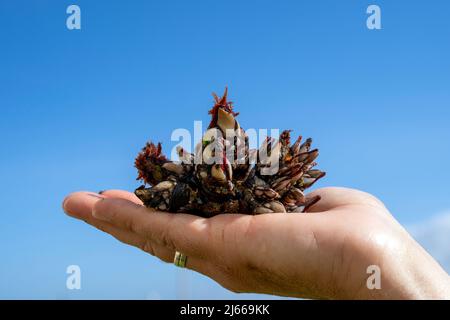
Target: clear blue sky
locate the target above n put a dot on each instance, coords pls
(76, 107)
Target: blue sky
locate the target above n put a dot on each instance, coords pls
(76, 106)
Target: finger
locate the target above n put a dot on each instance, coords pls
(183, 232)
(164, 253)
(122, 195)
(210, 249)
(336, 197)
(80, 205)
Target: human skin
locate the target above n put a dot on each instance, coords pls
(324, 253)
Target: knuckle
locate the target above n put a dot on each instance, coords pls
(132, 226)
(101, 227)
(147, 246)
(227, 270)
(251, 231)
(165, 238)
(128, 225)
(226, 280)
(232, 283)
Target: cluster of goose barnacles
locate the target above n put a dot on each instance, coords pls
(224, 175)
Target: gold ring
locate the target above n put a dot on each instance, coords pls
(180, 259)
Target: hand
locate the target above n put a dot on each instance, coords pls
(323, 253)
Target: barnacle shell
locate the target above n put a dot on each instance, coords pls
(173, 167)
(217, 173)
(225, 121)
(232, 178)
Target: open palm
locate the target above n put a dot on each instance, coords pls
(324, 253)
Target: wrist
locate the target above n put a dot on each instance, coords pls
(408, 272)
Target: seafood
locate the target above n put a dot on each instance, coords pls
(224, 175)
